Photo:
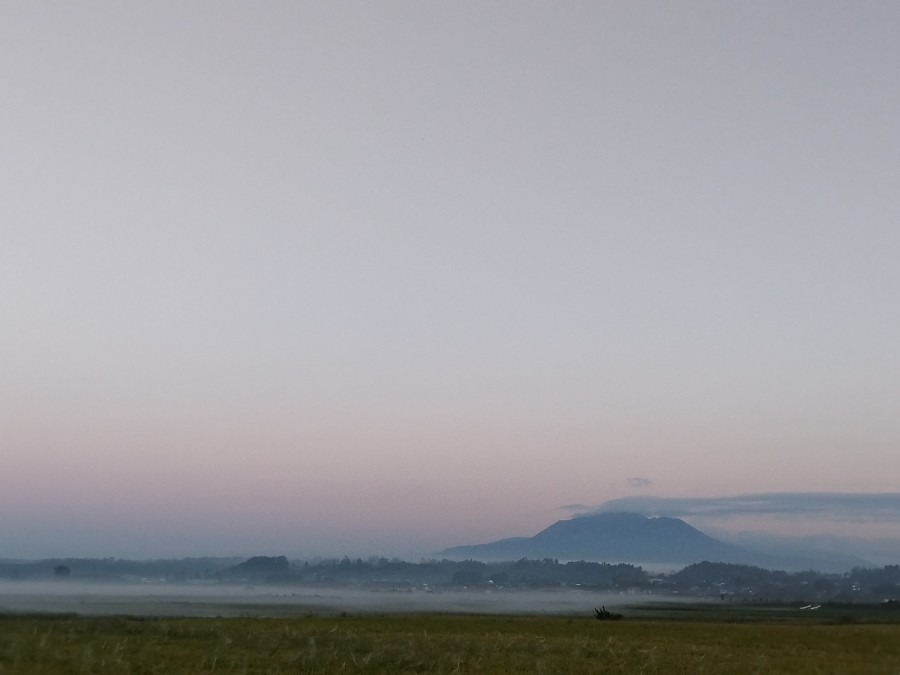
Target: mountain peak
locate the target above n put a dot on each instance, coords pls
(613, 536)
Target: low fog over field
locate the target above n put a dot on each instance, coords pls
(93, 599)
(276, 586)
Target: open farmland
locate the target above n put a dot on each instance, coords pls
(43, 645)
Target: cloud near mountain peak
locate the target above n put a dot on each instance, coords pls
(838, 506)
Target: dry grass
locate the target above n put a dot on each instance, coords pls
(438, 644)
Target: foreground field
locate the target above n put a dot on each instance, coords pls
(438, 644)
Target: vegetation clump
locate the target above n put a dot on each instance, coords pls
(604, 614)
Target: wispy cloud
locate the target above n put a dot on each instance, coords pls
(873, 507)
(577, 508)
(638, 482)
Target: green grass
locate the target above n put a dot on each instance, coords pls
(439, 644)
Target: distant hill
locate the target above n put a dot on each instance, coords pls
(258, 567)
(826, 553)
(118, 569)
(615, 537)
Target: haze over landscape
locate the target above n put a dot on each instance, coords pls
(387, 278)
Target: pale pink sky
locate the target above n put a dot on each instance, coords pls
(389, 277)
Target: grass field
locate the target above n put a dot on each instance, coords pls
(34, 645)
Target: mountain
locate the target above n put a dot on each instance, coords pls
(258, 567)
(615, 537)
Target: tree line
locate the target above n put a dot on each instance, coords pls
(705, 579)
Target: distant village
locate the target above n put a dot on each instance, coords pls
(723, 582)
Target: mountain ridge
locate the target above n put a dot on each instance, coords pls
(626, 537)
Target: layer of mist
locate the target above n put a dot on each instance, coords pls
(199, 600)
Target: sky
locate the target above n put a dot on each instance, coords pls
(345, 277)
